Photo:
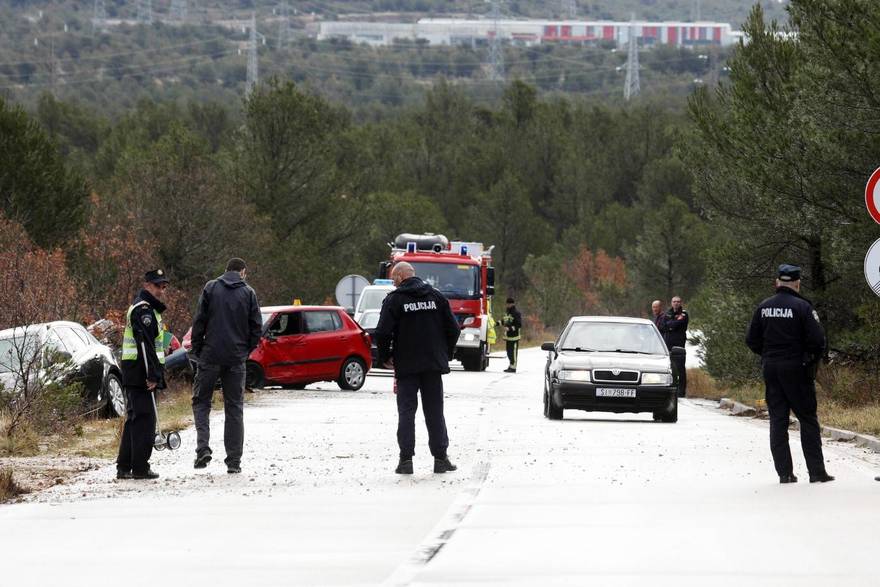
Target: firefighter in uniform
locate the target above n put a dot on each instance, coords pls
(143, 373)
(512, 323)
(785, 331)
(416, 336)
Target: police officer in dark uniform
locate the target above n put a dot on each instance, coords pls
(143, 373)
(674, 326)
(785, 331)
(416, 336)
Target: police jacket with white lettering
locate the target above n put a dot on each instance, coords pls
(785, 328)
(417, 328)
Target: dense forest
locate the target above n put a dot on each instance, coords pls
(594, 206)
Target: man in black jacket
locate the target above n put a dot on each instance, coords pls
(227, 327)
(675, 325)
(512, 324)
(143, 373)
(416, 336)
(785, 331)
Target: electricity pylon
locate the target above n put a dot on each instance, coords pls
(632, 87)
(496, 56)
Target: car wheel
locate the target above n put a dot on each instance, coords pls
(115, 405)
(552, 412)
(471, 361)
(352, 375)
(253, 378)
(671, 416)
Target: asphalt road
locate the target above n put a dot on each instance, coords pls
(594, 499)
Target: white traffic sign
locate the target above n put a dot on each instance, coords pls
(872, 267)
(349, 289)
(872, 196)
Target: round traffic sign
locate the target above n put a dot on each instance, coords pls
(872, 267)
(349, 289)
(872, 196)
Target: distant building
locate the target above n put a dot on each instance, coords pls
(532, 32)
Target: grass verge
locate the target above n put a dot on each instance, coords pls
(864, 419)
(9, 489)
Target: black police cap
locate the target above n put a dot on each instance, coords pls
(156, 276)
(789, 273)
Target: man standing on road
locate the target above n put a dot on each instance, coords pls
(512, 323)
(143, 373)
(657, 315)
(227, 327)
(785, 331)
(416, 336)
(675, 325)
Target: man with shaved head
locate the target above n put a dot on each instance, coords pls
(416, 337)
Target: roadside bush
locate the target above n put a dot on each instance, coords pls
(8, 486)
(849, 385)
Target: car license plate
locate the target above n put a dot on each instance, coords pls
(614, 392)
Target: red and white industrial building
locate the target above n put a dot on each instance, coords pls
(532, 32)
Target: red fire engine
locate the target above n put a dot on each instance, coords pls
(463, 272)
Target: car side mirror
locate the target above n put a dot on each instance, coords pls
(548, 346)
(677, 351)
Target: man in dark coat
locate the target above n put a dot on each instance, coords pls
(675, 325)
(416, 336)
(785, 331)
(227, 327)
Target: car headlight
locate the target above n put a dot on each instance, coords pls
(568, 375)
(656, 379)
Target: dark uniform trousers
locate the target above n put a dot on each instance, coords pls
(680, 367)
(791, 388)
(431, 386)
(512, 352)
(139, 431)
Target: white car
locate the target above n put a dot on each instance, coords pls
(65, 351)
(371, 300)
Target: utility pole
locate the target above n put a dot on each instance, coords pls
(284, 33)
(99, 15)
(179, 10)
(496, 56)
(253, 75)
(632, 87)
(145, 11)
(569, 9)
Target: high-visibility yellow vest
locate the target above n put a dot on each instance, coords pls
(129, 345)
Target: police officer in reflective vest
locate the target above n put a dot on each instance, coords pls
(143, 372)
(416, 336)
(785, 331)
(512, 323)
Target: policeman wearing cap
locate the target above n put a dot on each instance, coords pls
(785, 331)
(143, 372)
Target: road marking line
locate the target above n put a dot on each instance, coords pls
(442, 533)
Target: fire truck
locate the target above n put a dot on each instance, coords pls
(461, 271)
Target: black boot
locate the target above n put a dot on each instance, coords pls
(787, 479)
(148, 474)
(443, 465)
(202, 460)
(404, 467)
(822, 477)
(120, 474)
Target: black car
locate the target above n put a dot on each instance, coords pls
(610, 364)
(64, 351)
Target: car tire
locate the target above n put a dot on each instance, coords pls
(352, 375)
(253, 378)
(670, 416)
(471, 361)
(551, 411)
(115, 406)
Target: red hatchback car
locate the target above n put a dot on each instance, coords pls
(306, 344)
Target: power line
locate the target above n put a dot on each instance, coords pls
(631, 86)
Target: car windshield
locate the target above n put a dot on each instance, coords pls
(369, 320)
(460, 282)
(371, 299)
(17, 350)
(613, 337)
